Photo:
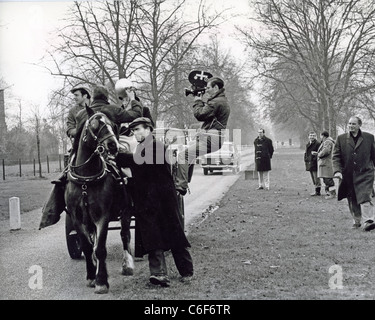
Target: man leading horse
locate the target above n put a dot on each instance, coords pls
(158, 213)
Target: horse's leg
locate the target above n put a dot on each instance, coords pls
(87, 248)
(101, 283)
(127, 266)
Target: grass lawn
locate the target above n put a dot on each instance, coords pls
(32, 191)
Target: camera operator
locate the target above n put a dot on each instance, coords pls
(214, 114)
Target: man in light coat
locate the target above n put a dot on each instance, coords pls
(353, 162)
(325, 170)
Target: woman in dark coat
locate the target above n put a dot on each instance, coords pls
(155, 199)
(263, 150)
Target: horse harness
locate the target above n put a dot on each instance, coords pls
(107, 166)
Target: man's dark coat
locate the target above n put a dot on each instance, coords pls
(311, 161)
(155, 197)
(115, 113)
(356, 163)
(263, 150)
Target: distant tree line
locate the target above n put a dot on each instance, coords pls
(21, 143)
(315, 60)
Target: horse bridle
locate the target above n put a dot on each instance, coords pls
(100, 149)
(95, 136)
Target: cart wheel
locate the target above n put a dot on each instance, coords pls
(72, 239)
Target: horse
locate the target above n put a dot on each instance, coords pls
(92, 198)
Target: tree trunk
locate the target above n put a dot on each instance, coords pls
(37, 129)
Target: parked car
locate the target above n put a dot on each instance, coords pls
(227, 158)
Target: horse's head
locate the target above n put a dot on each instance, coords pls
(99, 132)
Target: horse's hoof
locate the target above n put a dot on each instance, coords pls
(101, 289)
(127, 264)
(126, 271)
(90, 283)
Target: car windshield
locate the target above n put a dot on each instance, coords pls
(227, 147)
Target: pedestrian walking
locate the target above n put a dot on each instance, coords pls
(263, 154)
(353, 162)
(325, 170)
(311, 161)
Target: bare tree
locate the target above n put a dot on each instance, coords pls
(326, 45)
(60, 101)
(104, 41)
(35, 124)
(96, 44)
(165, 36)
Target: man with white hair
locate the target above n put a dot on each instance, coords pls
(126, 93)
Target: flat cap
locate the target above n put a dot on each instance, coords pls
(84, 88)
(141, 120)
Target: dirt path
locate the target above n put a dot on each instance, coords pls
(277, 244)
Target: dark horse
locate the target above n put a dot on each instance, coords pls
(92, 197)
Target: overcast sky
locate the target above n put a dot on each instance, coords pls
(26, 28)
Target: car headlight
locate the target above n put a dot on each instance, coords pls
(227, 161)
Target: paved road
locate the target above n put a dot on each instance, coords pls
(34, 264)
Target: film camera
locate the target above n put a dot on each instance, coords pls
(198, 80)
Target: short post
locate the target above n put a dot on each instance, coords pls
(19, 163)
(34, 168)
(3, 169)
(14, 213)
(47, 164)
(250, 174)
(60, 162)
